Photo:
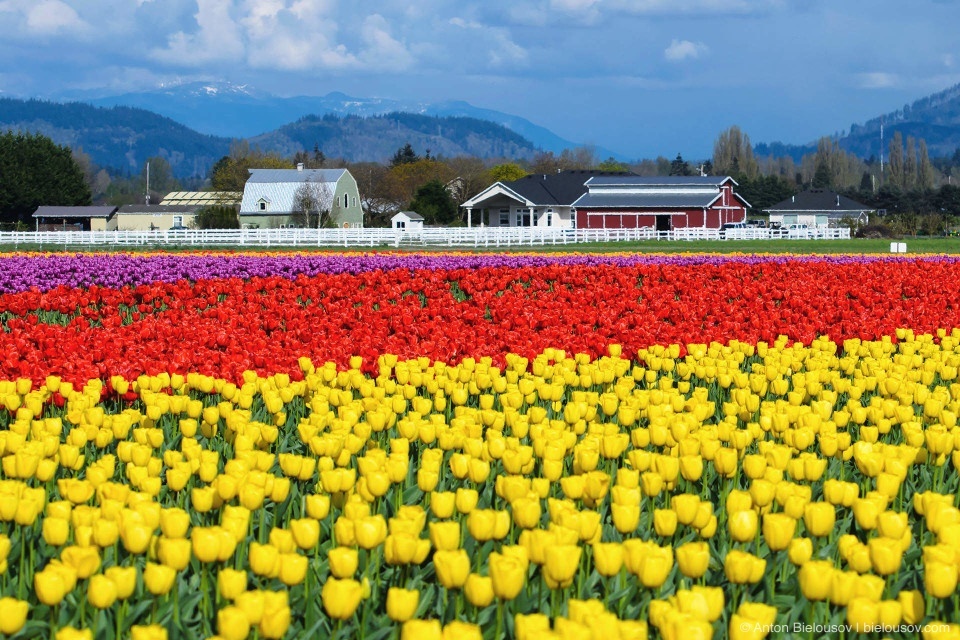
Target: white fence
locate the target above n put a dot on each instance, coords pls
(360, 238)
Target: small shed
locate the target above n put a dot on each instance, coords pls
(49, 218)
(407, 221)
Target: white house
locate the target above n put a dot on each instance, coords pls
(407, 221)
(538, 200)
(818, 208)
(275, 198)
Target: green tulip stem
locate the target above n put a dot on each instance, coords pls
(22, 583)
(206, 596)
(121, 614)
(499, 631)
(176, 602)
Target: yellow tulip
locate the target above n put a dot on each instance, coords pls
(174, 523)
(421, 630)
(800, 550)
(174, 552)
(341, 597)
(743, 568)
(664, 522)
(148, 632)
(939, 579)
(402, 603)
(452, 568)
(231, 583)
(479, 590)
(101, 592)
(293, 568)
(264, 560)
(819, 518)
(14, 615)
(55, 531)
(693, 559)
(886, 555)
(370, 531)
(743, 525)
(778, 530)
(343, 561)
(507, 574)
(562, 562)
(815, 579)
(69, 633)
(608, 558)
(445, 536)
(306, 532)
(232, 623)
(124, 579)
(158, 578)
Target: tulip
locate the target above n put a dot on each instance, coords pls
(466, 500)
(686, 505)
(626, 518)
(421, 630)
(479, 590)
(445, 536)
(293, 568)
(743, 568)
(253, 604)
(507, 574)
(664, 522)
(743, 525)
(656, 566)
(819, 518)
(174, 523)
(14, 615)
(85, 561)
(275, 622)
(370, 531)
(442, 504)
(231, 583)
(124, 579)
(341, 597)
(205, 543)
(800, 550)
(693, 559)
(886, 555)
(939, 579)
(306, 532)
(343, 562)
(402, 603)
(912, 605)
(55, 531)
(174, 552)
(778, 530)
(148, 632)
(101, 592)
(526, 512)
(159, 578)
(608, 558)
(232, 623)
(318, 506)
(136, 537)
(562, 562)
(50, 587)
(531, 626)
(452, 568)
(458, 630)
(815, 579)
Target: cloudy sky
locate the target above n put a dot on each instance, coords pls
(642, 77)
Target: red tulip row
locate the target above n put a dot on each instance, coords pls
(225, 326)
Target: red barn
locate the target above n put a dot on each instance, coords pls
(661, 202)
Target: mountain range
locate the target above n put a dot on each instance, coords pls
(935, 118)
(193, 125)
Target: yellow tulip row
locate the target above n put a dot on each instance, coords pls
(553, 469)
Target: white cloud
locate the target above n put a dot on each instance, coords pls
(680, 50)
(217, 37)
(382, 49)
(49, 17)
(878, 80)
(948, 60)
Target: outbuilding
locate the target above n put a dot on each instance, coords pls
(96, 218)
(407, 221)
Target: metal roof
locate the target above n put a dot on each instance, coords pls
(158, 208)
(659, 181)
(295, 175)
(278, 187)
(820, 201)
(646, 200)
(74, 212)
(411, 215)
(201, 197)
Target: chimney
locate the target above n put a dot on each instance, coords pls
(299, 166)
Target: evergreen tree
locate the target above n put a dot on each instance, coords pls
(35, 171)
(434, 203)
(680, 167)
(404, 155)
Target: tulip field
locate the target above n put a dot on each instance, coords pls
(380, 446)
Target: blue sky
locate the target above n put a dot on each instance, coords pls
(642, 77)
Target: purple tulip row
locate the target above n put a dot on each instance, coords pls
(21, 272)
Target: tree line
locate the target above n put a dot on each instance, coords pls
(909, 186)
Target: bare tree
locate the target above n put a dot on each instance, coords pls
(312, 204)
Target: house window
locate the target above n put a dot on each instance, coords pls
(262, 205)
(504, 218)
(401, 224)
(354, 201)
(345, 201)
(178, 221)
(523, 218)
(549, 218)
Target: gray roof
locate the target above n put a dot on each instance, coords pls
(659, 181)
(646, 201)
(158, 208)
(820, 201)
(411, 215)
(295, 175)
(278, 187)
(74, 212)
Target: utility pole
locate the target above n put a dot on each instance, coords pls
(147, 195)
